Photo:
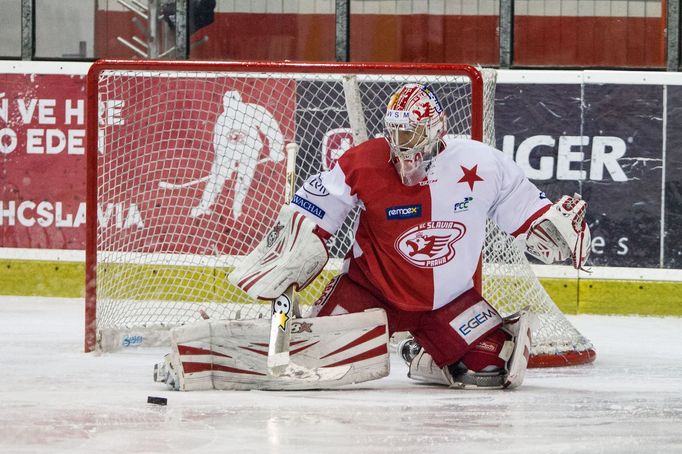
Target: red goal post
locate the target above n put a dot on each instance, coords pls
(186, 171)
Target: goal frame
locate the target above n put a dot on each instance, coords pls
(92, 118)
(578, 350)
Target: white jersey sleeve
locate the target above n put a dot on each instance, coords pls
(326, 199)
(518, 200)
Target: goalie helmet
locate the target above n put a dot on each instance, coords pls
(414, 126)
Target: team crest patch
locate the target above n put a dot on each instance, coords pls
(430, 244)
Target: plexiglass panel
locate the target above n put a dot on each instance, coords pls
(301, 30)
(64, 28)
(10, 28)
(598, 33)
(453, 31)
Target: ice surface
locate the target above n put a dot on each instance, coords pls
(54, 399)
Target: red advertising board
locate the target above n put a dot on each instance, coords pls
(191, 164)
(42, 161)
(158, 157)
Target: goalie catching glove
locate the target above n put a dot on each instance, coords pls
(561, 233)
(292, 253)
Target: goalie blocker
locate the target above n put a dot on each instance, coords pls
(291, 254)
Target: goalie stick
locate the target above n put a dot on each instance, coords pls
(280, 333)
(290, 256)
(285, 306)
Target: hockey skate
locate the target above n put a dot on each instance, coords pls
(164, 372)
(514, 352)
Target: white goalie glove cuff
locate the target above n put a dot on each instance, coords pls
(290, 254)
(561, 233)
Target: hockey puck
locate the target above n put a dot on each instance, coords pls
(157, 400)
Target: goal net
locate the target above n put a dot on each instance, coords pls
(187, 168)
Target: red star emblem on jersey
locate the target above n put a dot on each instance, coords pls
(470, 176)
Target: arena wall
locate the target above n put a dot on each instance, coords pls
(612, 136)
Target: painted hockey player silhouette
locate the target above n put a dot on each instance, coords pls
(241, 132)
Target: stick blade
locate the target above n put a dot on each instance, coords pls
(280, 332)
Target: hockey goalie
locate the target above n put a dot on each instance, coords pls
(424, 199)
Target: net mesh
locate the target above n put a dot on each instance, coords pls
(191, 173)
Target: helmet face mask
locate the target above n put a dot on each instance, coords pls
(414, 125)
(408, 153)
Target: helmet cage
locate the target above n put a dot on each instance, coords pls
(408, 140)
(413, 127)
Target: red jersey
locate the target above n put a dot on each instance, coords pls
(420, 245)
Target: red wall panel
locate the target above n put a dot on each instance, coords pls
(539, 40)
(268, 37)
(589, 41)
(424, 38)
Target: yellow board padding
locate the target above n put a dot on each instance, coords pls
(564, 293)
(616, 297)
(66, 279)
(158, 282)
(183, 283)
(42, 278)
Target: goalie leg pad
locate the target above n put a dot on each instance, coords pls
(291, 253)
(326, 352)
